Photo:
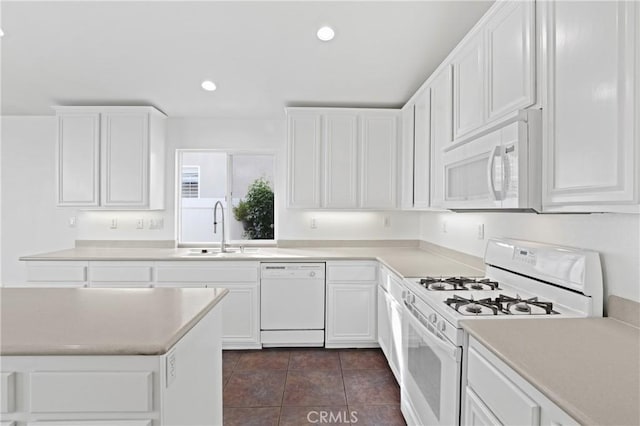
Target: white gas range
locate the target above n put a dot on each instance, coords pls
(522, 280)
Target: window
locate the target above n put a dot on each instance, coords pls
(190, 187)
(241, 182)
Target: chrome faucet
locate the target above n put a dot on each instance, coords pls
(223, 248)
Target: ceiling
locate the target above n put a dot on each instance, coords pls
(263, 55)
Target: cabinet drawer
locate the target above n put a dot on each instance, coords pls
(120, 273)
(91, 392)
(206, 273)
(501, 395)
(352, 271)
(7, 392)
(392, 284)
(65, 272)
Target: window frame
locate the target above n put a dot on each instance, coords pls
(228, 212)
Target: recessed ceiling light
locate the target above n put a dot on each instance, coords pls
(326, 33)
(208, 85)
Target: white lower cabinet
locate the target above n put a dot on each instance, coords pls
(390, 330)
(351, 305)
(240, 308)
(119, 390)
(390, 290)
(476, 412)
(111, 274)
(496, 395)
(57, 273)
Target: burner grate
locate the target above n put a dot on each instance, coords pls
(458, 283)
(519, 306)
(473, 307)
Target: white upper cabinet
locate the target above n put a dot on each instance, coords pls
(378, 147)
(468, 87)
(125, 153)
(494, 68)
(441, 131)
(111, 157)
(422, 150)
(78, 159)
(592, 105)
(340, 160)
(510, 53)
(304, 136)
(406, 157)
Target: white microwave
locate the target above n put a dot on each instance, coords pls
(498, 170)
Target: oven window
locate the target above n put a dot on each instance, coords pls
(425, 368)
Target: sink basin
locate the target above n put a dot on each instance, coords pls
(231, 252)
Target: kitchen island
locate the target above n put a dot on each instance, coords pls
(125, 357)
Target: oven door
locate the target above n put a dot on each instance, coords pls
(431, 380)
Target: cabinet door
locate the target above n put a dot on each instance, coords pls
(384, 326)
(241, 317)
(468, 88)
(406, 158)
(378, 143)
(351, 315)
(591, 117)
(340, 160)
(422, 150)
(304, 142)
(476, 413)
(510, 58)
(78, 154)
(441, 131)
(125, 159)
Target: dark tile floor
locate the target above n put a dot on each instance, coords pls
(309, 386)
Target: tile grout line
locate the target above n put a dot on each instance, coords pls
(344, 387)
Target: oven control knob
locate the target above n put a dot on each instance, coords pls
(433, 318)
(442, 326)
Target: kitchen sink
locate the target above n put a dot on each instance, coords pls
(232, 252)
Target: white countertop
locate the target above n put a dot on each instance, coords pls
(589, 367)
(93, 321)
(406, 261)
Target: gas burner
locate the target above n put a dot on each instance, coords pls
(457, 283)
(518, 306)
(473, 307)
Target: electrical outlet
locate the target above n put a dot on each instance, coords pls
(314, 223)
(156, 223)
(140, 224)
(481, 231)
(114, 223)
(387, 221)
(444, 227)
(171, 368)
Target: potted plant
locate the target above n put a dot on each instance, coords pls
(255, 212)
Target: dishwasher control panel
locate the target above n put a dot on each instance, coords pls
(292, 270)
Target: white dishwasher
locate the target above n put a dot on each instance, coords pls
(292, 304)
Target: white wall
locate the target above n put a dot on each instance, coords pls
(615, 236)
(31, 222)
